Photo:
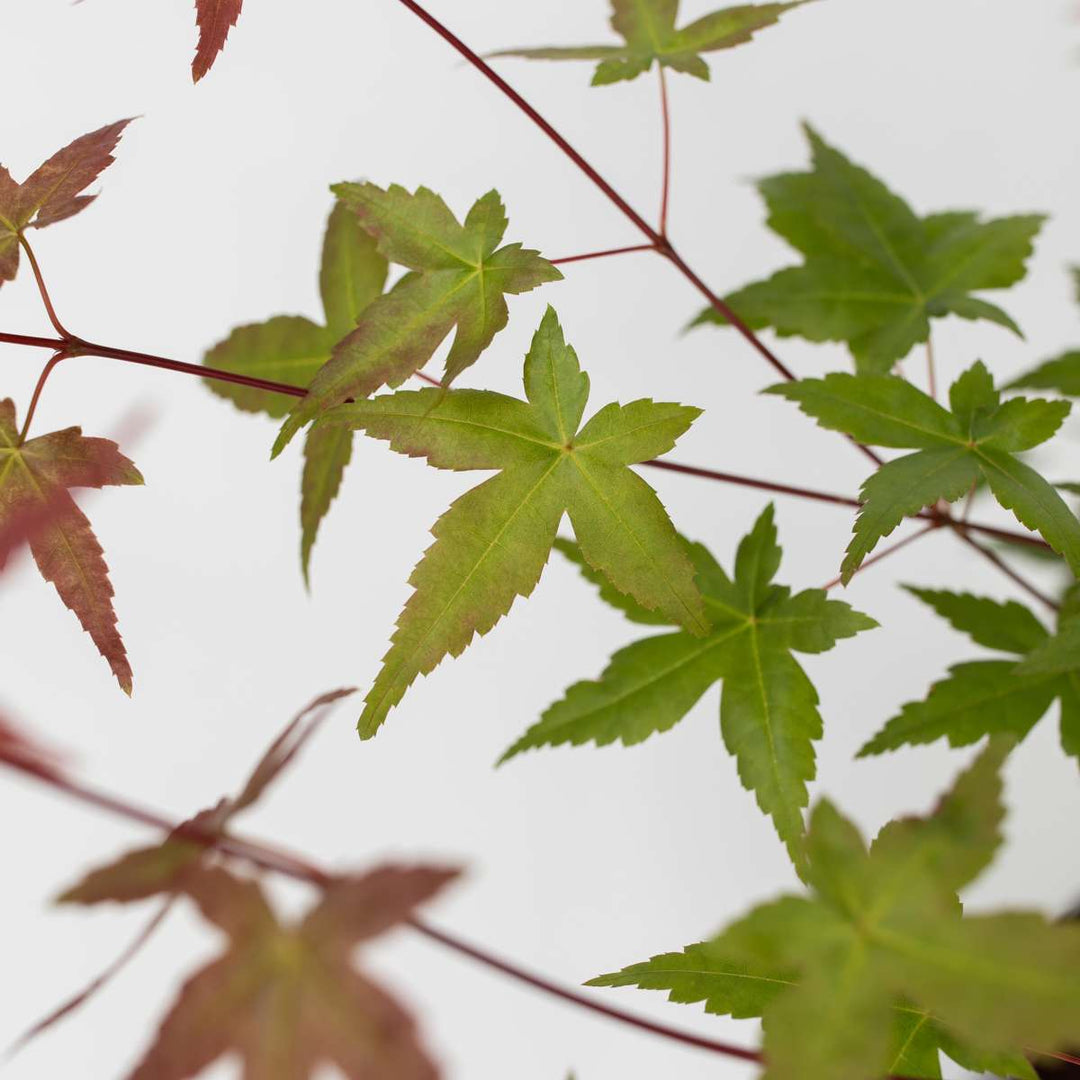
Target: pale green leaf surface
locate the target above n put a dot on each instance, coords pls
(875, 273)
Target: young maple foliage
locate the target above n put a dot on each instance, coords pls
(492, 544)
(1062, 373)
(288, 998)
(292, 349)
(649, 29)
(458, 277)
(164, 868)
(768, 710)
(979, 440)
(981, 697)
(51, 193)
(877, 970)
(215, 18)
(874, 272)
(38, 473)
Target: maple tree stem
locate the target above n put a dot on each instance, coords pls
(269, 858)
(54, 319)
(665, 115)
(931, 374)
(866, 563)
(43, 378)
(961, 530)
(602, 254)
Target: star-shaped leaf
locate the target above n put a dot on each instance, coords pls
(163, 868)
(292, 349)
(36, 475)
(648, 28)
(287, 998)
(978, 440)
(458, 276)
(52, 192)
(215, 18)
(1062, 373)
(877, 970)
(982, 697)
(874, 272)
(493, 542)
(768, 710)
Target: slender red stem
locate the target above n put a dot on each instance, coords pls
(54, 319)
(665, 114)
(931, 374)
(1008, 571)
(269, 858)
(602, 254)
(43, 378)
(866, 563)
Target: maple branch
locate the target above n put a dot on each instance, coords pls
(961, 530)
(269, 858)
(665, 114)
(602, 254)
(54, 319)
(931, 375)
(43, 378)
(888, 551)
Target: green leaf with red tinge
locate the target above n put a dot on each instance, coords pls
(491, 546)
(459, 277)
(287, 998)
(215, 18)
(292, 349)
(648, 28)
(36, 476)
(876, 971)
(52, 192)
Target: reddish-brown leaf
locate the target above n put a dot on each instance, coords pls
(53, 191)
(36, 475)
(287, 998)
(215, 19)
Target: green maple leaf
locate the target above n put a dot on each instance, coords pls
(51, 193)
(1062, 373)
(35, 478)
(874, 272)
(768, 710)
(977, 441)
(877, 969)
(492, 544)
(458, 276)
(982, 697)
(649, 31)
(288, 999)
(292, 349)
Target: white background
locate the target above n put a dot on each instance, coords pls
(579, 860)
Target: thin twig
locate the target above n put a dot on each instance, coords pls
(665, 114)
(886, 553)
(931, 374)
(54, 319)
(269, 858)
(602, 254)
(1008, 571)
(43, 378)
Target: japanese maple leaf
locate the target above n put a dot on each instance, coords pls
(458, 276)
(493, 542)
(287, 998)
(1062, 373)
(292, 349)
(768, 710)
(38, 474)
(877, 970)
(163, 868)
(874, 272)
(215, 18)
(648, 29)
(981, 697)
(977, 441)
(52, 192)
